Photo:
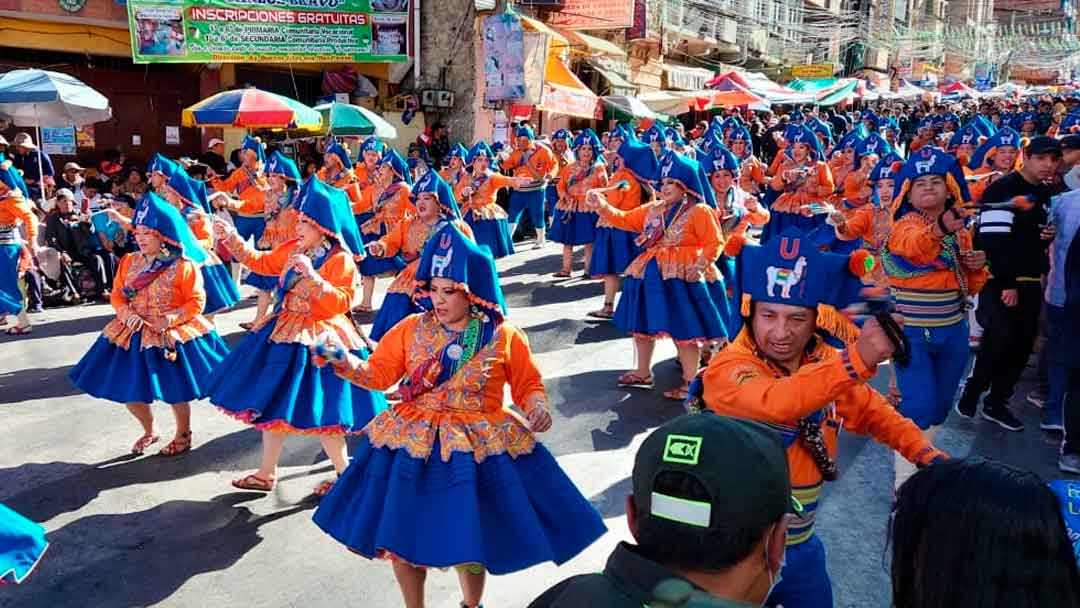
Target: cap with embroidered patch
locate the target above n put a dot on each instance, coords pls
(741, 463)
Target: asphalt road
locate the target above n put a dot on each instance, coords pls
(172, 532)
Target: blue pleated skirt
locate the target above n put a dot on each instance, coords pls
(22, 543)
(493, 233)
(780, 221)
(673, 308)
(221, 291)
(262, 282)
(275, 386)
(135, 375)
(504, 513)
(572, 227)
(395, 307)
(11, 299)
(613, 250)
(249, 227)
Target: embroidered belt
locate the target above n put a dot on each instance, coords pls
(8, 236)
(929, 307)
(802, 528)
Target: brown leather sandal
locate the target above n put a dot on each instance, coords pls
(144, 442)
(255, 483)
(177, 446)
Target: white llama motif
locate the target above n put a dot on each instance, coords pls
(441, 263)
(786, 278)
(923, 166)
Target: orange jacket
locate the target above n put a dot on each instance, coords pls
(913, 237)
(542, 165)
(466, 412)
(692, 239)
(817, 188)
(14, 210)
(408, 239)
(482, 201)
(249, 188)
(572, 196)
(389, 209)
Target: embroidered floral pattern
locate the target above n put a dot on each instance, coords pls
(151, 304)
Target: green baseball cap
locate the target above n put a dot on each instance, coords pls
(741, 463)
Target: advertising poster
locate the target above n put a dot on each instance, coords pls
(58, 141)
(269, 31)
(504, 57)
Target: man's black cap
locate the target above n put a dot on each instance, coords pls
(1043, 145)
(1070, 142)
(741, 463)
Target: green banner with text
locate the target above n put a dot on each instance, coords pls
(269, 31)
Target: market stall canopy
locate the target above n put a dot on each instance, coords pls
(251, 108)
(730, 99)
(627, 107)
(685, 78)
(347, 119)
(906, 90)
(591, 45)
(617, 82)
(760, 85)
(669, 102)
(958, 89)
(41, 98)
(564, 93)
(812, 85)
(843, 90)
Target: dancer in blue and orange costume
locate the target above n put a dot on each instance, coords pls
(781, 372)
(15, 209)
(564, 155)
(667, 291)
(477, 191)
(636, 170)
(189, 197)
(925, 135)
(435, 206)
(391, 202)
(449, 477)
(844, 160)
(932, 271)
(963, 144)
(536, 161)
(269, 380)
(159, 347)
(246, 186)
(456, 167)
(284, 179)
(574, 224)
(752, 176)
(823, 130)
(22, 545)
(996, 156)
(367, 176)
(801, 182)
(868, 219)
(736, 212)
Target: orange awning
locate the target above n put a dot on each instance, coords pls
(728, 99)
(564, 93)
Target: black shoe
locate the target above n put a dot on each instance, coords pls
(1001, 416)
(966, 406)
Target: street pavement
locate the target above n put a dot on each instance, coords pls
(154, 531)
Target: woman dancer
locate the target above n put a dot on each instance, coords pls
(801, 181)
(159, 347)
(269, 381)
(435, 206)
(478, 192)
(573, 223)
(449, 477)
(636, 166)
(455, 169)
(391, 202)
(14, 210)
(667, 289)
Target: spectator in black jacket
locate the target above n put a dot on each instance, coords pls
(1013, 232)
(214, 157)
(64, 234)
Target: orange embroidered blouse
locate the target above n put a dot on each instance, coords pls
(541, 162)
(817, 188)
(347, 181)
(408, 239)
(280, 227)
(389, 209)
(572, 195)
(311, 306)
(176, 295)
(14, 210)
(482, 203)
(250, 189)
(623, 200)
(465, 413)
(692, 239)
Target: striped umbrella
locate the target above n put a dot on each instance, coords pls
(250, 109)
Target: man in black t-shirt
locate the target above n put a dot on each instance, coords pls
(1012, 230)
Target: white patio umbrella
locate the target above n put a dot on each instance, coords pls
(40, 98)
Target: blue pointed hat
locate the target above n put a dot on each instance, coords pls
(721, 159)
(525, 131)
(689, 173)
(434, 183)
(890, 124)
(674, 137)
(588, 138)
(886, 168)
(790, 269)
(458, 151)
(562, 134)
(930, 160)
(928, 122)
(820, 127)
(640, 160)
(337, 149)
(874, 144)
(279, 164)
(398, 165)
(740, 134)
(191, 190)
(966, 135)
(852, 140)
(623, 131)
(655, 134)
(709, 142)
(801, 134)
(796, 117)
(983, 124)
(480, 148)
(1005, 137)
(252, 143)
(11, 177)
(163, 165)
(869, 115)
(165, 221)
(328, 208)
(449, 254)
(373, 144)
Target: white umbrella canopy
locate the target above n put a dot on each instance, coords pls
(40, 98)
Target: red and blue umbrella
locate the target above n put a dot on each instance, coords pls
(251, 109)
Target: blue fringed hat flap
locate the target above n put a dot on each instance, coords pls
(929, 160)
(449, 254)
(373, 144)
(163, 165)
(279, 164)
(720, 159)
(398, 165)
(434, 183)
(801, 134)
(688, 173)
(791, 269)
(191, 190)
(339, 150)
(654, 134)
(639, 159)
(253, 144)
(886, 168)
(156, 214)
(328, 208)
(1005, 137)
